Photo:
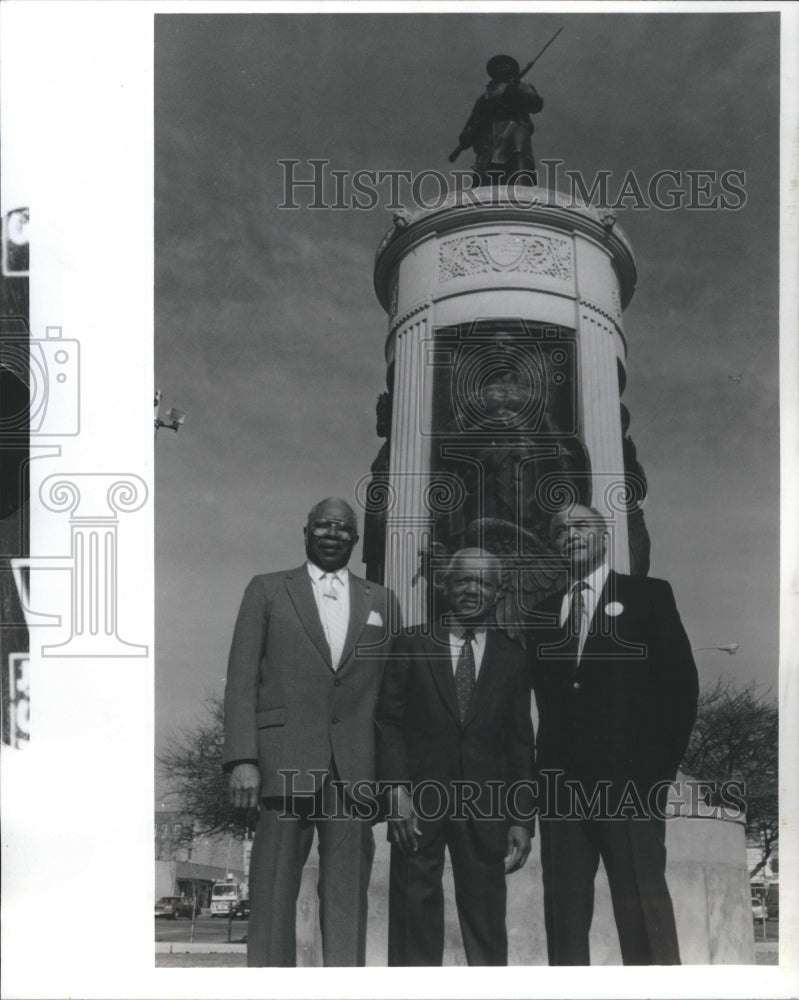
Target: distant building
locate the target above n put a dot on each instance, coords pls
(187, 864)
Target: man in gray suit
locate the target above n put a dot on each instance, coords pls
(303, 677)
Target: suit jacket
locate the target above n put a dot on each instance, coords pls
(285, 706)
(626, 712)
(421, 737)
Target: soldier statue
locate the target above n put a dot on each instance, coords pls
(499, 128)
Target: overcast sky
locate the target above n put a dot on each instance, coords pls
(269, 335)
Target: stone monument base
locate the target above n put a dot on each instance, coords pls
(706, 871)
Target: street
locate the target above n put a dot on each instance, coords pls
(206, 930)
(772, 930)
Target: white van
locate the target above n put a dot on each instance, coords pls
(224, 896)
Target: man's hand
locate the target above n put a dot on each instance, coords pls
(244, 785)
(518, 848)
(403, 823)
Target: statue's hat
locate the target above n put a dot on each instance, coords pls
(494, 62)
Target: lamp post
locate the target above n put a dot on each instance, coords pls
(730, 647)
(174, 418)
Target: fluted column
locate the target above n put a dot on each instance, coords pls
(408, 522)
(601, 425)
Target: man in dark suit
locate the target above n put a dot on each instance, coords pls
(303, 677)
(454, 735)
(616, 691)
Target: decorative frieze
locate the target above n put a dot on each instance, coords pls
(504, 253)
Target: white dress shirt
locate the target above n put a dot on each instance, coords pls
(594, 583)
(334, 612)
(456, 645)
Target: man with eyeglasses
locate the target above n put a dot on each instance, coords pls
(616, 691)
(303, 677)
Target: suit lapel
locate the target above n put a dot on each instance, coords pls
(607, 634)
(486, 679)
(551, 640)
(300, 588)
(360, 606)
(599, 628)
(439, 662)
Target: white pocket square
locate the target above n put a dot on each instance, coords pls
(374, 618)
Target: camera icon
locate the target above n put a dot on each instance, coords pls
(41, 380)
(504, 376)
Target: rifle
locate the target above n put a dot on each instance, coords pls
(453, 156)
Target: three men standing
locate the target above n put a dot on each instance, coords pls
(616, 691)
(303, 678)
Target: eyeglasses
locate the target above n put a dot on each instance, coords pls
(342, 528)
(583, 527)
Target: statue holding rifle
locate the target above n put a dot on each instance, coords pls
(499, 129)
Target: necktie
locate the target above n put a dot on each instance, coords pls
(575, 619)
(465, 673)
(333, 617)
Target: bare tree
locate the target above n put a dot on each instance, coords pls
(191, 767)
(735, 738)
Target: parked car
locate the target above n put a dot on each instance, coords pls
(173, 907)
(242, 910)
(758, 908)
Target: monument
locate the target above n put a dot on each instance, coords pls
(505, 370)
(505, 365)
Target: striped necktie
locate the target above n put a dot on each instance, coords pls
(574, 622)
